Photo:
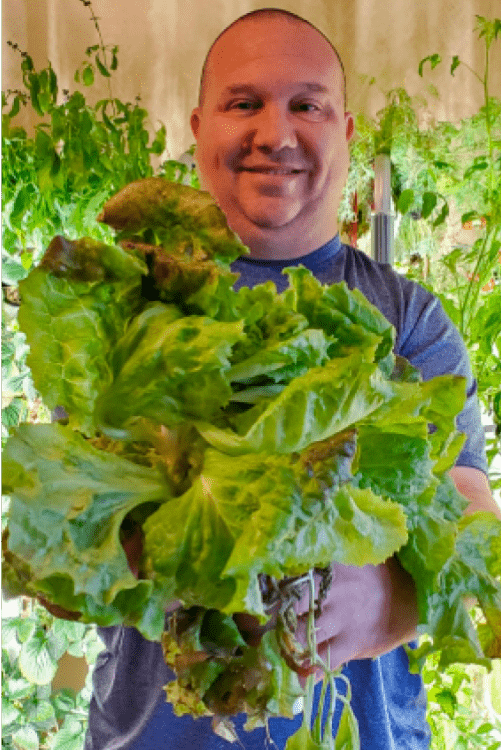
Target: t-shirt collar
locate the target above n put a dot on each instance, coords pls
(311, 260)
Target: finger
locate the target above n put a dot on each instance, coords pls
(326, 627)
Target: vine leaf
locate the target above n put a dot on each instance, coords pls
(434, 61)
(405, 201)
(456, 62)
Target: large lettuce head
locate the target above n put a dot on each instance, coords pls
(251, 436)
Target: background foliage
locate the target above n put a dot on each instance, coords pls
(56, 179)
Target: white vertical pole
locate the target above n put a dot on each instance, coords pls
(382, 220)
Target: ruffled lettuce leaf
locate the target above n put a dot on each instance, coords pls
(324, 401)
(282, 360)
(185, 240)
(261, 513)
(472, 569)
(171, 370)
(183, 220)
(449, 555)
(75, 306)
(236, 677)
(68, 501)
(347, 313)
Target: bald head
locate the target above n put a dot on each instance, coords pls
(272, 133)
(261, 15)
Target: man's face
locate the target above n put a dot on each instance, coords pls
(271, 149)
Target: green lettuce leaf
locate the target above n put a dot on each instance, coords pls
(258, 513)
(346, 313)
(149, 322)
(472, 570)
(72, 321)
(176, 370)
(284, 360)
(324, 401)
(68, 501)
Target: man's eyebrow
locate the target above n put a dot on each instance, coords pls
(242, 88)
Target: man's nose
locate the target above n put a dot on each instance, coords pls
(274, 129)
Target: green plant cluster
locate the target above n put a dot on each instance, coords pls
(458, 713)
(33, 715)
(437, 167)
(54, 181)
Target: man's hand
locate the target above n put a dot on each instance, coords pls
(368, 611)
(133, 548)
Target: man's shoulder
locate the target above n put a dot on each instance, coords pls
(399, 298)
(376, 273)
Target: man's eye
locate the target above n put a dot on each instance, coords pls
(303, 105)
(242, 104)
(246, 105)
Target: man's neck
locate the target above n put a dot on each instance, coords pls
(285, 246)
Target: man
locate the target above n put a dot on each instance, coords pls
(272, 148)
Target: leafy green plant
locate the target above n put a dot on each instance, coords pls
(458, 713)
(437, 166)
(229, 443)
(467, 280)
(33, 715)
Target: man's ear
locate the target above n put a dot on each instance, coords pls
(350, 125)
(195, 121)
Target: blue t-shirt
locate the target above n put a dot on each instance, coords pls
(128, 709)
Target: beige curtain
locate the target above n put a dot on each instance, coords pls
(163, 43)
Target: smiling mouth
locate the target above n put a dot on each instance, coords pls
(275, 172)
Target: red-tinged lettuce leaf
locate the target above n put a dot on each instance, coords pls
(218, 673)
(74, 307)
(197, 284)
(259, 683)
(176, 370)
(151, 202)
(260, 513)
(180, 218)
(315, 406)
(345, 313)
(68, 501)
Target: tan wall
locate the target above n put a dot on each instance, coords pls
(163, 44)
(71, 673)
